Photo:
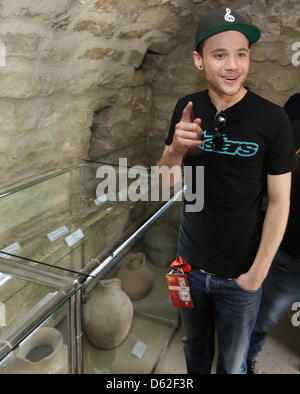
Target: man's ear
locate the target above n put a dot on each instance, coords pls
(198, 60)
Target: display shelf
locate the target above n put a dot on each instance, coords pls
(153, 324)
(153, 333)
(154, 321)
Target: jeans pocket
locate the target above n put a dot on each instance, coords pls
(243, 289)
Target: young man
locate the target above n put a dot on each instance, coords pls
(281, 288)
(245, 144)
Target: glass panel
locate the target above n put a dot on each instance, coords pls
(50, 220)
(127, 316)
(143, 151)
(58, 221)
(43, 351)
(102, 236)
(28, 215)
(19, 297)
(38, 220)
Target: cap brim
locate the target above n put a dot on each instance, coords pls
(251, 31)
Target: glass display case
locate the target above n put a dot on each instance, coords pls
(61, 244)
(31, 310)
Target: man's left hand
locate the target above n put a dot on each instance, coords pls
(249, 282)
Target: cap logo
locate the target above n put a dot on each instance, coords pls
(228, 17)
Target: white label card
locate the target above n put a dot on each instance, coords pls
(76, 236)
(13, 249)
(2, 315)
(58, 233)
(4, 278)
(139, 349)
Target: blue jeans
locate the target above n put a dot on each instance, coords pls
(280, 290)
(220, 305)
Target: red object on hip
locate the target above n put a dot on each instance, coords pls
(180, 264)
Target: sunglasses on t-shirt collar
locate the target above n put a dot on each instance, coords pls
(219, 124)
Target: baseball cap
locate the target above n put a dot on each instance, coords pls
(225, 19)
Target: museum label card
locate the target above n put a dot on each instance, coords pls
(58, 233)
(139, 349)
(2, 315)
(76, 236)
(13, 249)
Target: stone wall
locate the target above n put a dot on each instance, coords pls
(82, 76)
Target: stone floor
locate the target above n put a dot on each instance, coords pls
(280, 355)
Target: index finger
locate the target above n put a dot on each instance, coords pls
(187, 112)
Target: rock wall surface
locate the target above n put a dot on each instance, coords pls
(81, 76)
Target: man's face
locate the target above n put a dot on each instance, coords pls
(225, 60)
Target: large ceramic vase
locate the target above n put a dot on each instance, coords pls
(160, 244)
(136, 278)
(42, 353)
(107, 315)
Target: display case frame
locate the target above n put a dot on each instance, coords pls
(70, 284)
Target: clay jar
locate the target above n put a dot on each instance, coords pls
(160, 244)
(136, 278)
(107, 315)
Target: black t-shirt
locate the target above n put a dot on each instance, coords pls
(224, 236)
(291, 239)
(292, 107)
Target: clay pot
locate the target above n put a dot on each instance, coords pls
(107, 315)
(136, 278)
(41, 353)
(160, 244)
